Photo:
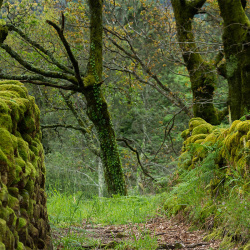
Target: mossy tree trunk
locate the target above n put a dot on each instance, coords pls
(236, 40)
(202, 74)
(3, 30)
(97, 108)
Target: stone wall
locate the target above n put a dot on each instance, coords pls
(23, 213)
(232, 144)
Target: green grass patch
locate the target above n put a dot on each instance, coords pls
(66, 210)
(70, 215)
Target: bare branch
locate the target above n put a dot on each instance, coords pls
(38, 80)
(30, 67)
(39, 47)
(138, 158)
(82, 124)
(48, 84)
(63, 22)
(69, 52)
(63, 126)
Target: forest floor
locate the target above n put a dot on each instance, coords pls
(164, 233)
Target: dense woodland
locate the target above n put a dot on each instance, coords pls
(118, 81)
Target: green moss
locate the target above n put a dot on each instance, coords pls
(243, 127)
(185, 134)
(14, 191)
(204, 128)
(6, 143)
(22, 222)
(23, 149)
(20, 246)
(13, 203)
(14, 86)
(3, 106)
(2, 246)
(196, 137)
(2, 229)
(247, 246)
(233, 126)
(29, 186)
(28, 124)
(3, 159)
(21, 161)
(6, 122)
(195, 122)
(8, 215)
(4, 194)
(89, 80)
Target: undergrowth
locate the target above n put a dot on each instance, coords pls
(213, 198)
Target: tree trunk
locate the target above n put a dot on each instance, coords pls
(202, 74)
(97, 108)
(100, 177)
(99, 115)
(236, 40)
(3, 30)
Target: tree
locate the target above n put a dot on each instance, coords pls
(203, 75)
(3, 30)
(129, 31)
(236, 40)
(89, 84)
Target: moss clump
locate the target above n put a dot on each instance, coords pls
(22, 170)
(3, 228)
(195, 122)
(204, 128)
(243, 127)
(233, 143)
(185, 134)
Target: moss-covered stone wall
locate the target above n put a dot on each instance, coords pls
(23, 213)
(232, 144)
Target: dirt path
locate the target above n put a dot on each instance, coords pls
(170, 234)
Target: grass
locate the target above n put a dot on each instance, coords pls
(70, 214)
(73, 209)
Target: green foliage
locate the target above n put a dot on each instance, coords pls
(213, 188)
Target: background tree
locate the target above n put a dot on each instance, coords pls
(203, 75)
(236, 39)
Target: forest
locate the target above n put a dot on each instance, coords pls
(144, 125)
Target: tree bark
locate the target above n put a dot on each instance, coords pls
(202, 74)
(236, 40)
(97, 108)
(3, 30)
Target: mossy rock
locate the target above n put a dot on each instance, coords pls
(185, 134)
(195, 122)
(196, 137)
(3, 229)
(204, 128)
(233, 126)
(243, 127)
(232, 144)
(22, 171)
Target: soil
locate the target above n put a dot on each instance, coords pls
(170, 234)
